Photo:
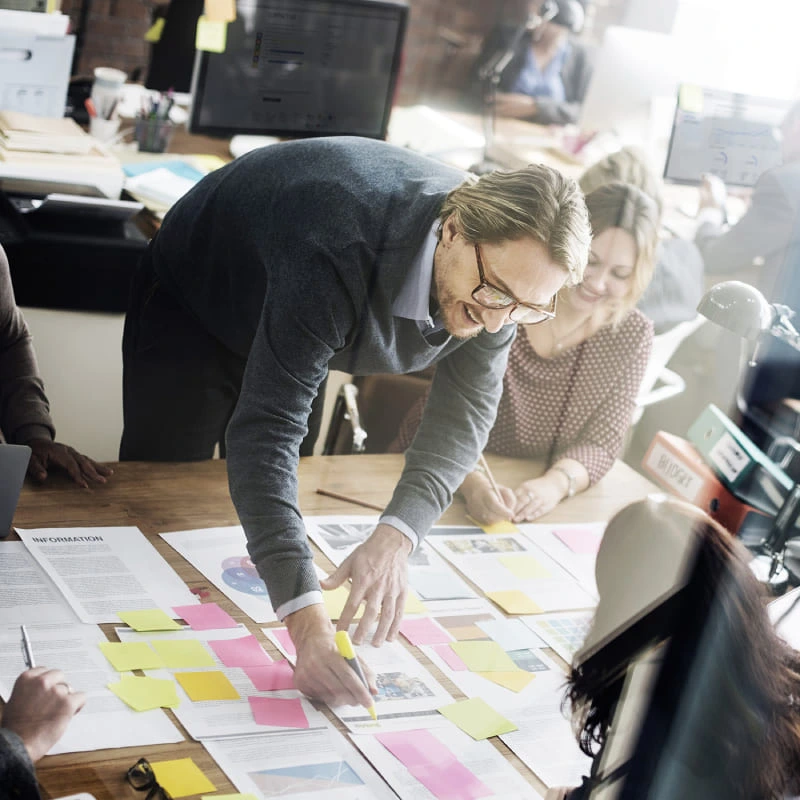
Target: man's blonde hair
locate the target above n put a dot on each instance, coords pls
(624, 206)
(536, 202)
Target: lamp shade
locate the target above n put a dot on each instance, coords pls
(737, 307)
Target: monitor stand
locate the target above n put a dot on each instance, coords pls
(241, 144)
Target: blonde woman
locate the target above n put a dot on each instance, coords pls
(570, 387)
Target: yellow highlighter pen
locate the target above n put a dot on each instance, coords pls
(345, 648)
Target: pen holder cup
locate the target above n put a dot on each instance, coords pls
(153, 135)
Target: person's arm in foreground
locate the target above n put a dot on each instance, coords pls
(35, 717)
(24, 410)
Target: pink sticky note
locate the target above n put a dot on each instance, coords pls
(581, 540)
(273, 677)
(449, 656)
(424, 630)
(278, 712)
(282, 635)
(242, 652)
(205, 617)
(434, 765)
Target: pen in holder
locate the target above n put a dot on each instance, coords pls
(153, 134)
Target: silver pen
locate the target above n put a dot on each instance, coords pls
(27, 650)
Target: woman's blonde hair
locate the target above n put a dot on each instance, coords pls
(536, 202)
(622, 205)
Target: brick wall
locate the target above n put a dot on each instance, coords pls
(443, 39)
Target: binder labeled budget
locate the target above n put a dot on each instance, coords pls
(675, 464)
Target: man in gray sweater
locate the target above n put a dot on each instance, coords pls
(348, 254)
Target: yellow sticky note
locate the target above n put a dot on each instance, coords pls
(181, 777)
(211, 35)
(180, 653)
(151, 619)
(500, 527)
(222, 10)
(154, 32)
(414, 605)
(513, 601)
(213, 685)
(207, 162)
(125, 656)
(524, 566)
(690, 98)
(334, 601)
(477, 718)
(516, 679)
(486, 656)
(143, 694)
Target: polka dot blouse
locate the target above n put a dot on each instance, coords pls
(576, 405)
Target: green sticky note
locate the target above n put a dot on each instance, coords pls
(213, 685)
(524, 566)
(211, 35)
(484, 656)
(143, 694)
(513, 601)
(516, 679)
(152, 619)
(181, 777)
(477, 718)
(181, 653)
(125, 656)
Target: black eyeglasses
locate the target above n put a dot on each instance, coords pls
(490, 296)
(143, 779)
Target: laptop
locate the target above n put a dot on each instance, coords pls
(14, 460)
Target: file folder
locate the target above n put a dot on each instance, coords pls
(675, 464)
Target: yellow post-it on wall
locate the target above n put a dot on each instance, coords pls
(220, 10)
(154, 32)
(211, 35)
(513, 601)
(181, 777)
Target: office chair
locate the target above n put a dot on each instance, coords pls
(660, 383)
(368, 411)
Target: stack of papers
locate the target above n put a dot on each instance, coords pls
(56, 148)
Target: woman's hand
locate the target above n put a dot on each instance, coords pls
(534, 498)
(483, 504)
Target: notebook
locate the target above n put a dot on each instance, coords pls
(14, 460)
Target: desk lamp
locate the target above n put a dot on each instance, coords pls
(743, 310)
(565, 13)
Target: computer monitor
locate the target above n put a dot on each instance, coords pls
(633, 71)
(734, 136)
(302, 68)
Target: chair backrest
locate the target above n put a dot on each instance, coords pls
(664, 347)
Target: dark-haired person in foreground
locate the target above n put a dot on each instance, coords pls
(349, 254)
(680, 606)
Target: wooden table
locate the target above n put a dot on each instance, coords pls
(164, 497)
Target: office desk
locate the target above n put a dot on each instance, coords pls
(164, 497)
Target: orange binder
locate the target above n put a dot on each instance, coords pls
(674, 464)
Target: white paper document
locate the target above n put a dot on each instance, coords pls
(429, 575)
(27, 593)
(221, 555)
(209, 718)
(301, 765)
(105, 721)
(501, 780)
(513, 562)
(101, 571)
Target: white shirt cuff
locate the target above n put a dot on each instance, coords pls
(710, 214)
(290, 606)
(409, 533)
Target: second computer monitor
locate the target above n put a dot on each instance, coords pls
(733, 136)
